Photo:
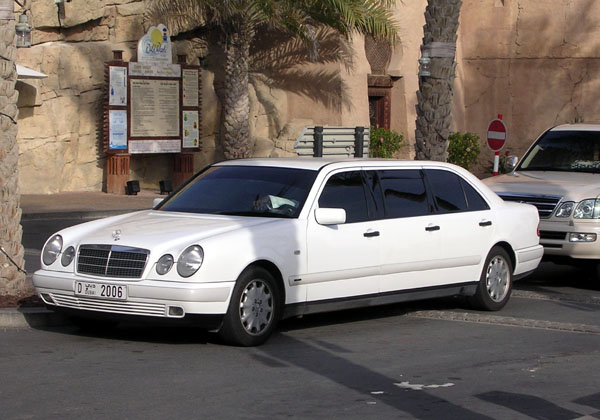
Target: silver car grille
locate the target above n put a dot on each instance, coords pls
(90, 304)
(544, 203)
(112, 261)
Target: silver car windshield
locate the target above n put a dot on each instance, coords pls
(565, 151)
(256, 191)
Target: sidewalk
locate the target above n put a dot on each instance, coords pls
(83, 205)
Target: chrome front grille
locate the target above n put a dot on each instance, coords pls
(90, 304)
(544, 203)
(112, 261)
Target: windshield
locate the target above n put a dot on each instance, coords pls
(245, 191)
(569, 151)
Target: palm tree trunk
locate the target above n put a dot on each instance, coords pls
(12, 281)
(236, 109)
(434, 108)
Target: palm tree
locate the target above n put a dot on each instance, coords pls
(12, 280)
(434, 108)
(238, 22)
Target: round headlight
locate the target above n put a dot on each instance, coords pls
(190, 260)
(67, 256)
(164, 264)
(587, 209)
(52, 249)
(565, 209)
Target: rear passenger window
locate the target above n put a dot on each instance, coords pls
(345, 191)
(404, 193)
(446, 188)
(452, 193)
(475, 202)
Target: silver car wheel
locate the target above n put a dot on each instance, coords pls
(256, 307)
(497, 278)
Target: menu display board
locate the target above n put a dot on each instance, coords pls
(154, 108)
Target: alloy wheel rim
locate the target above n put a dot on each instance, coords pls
(497, 279)
(256, 307)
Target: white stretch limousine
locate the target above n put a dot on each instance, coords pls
(246, 243)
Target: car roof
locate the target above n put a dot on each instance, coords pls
(577, 127)
(317, 164)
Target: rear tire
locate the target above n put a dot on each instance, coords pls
(254, 309)
(495, 284)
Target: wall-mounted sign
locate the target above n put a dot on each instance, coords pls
(154, 108)
(191, 131)
(190, 87)
(117, 129)
(155, 46)
(117, 86)
(149, 69)
(154, 146)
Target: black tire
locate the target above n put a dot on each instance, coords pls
(93, 324)
(254, 309)
(495, 283)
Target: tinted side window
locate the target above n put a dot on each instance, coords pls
(447, 190)
(475, 202)
(404, 193)
(345, 191)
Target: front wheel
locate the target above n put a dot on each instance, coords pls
(254, 309)
(495, 284)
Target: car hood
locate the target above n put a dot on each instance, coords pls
(158, 229)
(570, 185)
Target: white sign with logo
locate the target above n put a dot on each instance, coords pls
(155, 45)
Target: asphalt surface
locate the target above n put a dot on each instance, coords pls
(418, 361)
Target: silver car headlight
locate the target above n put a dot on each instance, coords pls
(565, 209)
(190, 260)
(164, 264)
(67, 256)
(587, 209)
(52, 249)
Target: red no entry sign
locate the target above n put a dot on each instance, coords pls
(496, 135)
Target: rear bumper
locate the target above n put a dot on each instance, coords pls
(146, 298)
(527, 260)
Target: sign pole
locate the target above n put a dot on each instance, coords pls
(497, 156)
(496, 139)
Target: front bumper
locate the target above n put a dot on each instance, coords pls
(147, 298)
(555, 239)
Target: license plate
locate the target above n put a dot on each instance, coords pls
(101, 290)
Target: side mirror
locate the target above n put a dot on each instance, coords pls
(330, 216)
(510, 163)
(156, 202)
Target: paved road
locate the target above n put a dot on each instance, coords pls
(538, 358)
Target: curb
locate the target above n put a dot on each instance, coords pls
(92, 214)
(31, 318)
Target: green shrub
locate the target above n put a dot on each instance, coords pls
(463, 149)
(384, 143)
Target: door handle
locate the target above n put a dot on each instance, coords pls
(371, 234)
(432, 228)
(486, 223)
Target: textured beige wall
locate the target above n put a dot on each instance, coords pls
(534, 61)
